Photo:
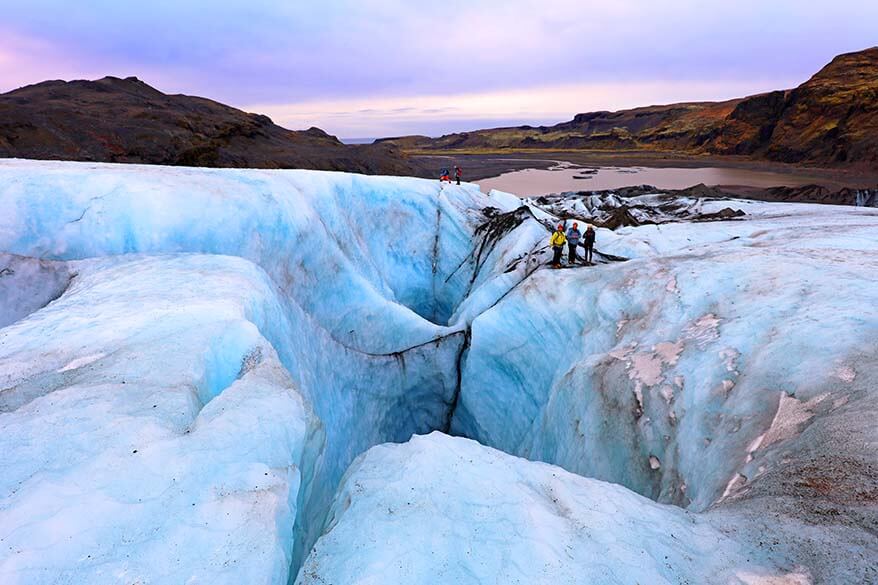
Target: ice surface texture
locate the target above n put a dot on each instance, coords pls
(344, 280)
(28, 284)
(150, 433)
(191, 359)
(448, 510)
(727, 366)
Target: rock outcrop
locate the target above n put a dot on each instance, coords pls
(831, 119)
(128, 121)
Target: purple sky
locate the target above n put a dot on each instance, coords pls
(385, 67)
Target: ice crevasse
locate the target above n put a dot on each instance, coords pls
(178, 290)
(191, 360)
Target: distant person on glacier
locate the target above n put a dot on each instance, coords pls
(457, 173)
(588, 243)
(444, 175)
(573, 236)
(557, 241)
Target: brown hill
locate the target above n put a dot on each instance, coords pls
(833, 116)
(830, 119)
(126, 120)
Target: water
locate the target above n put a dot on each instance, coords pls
(366, 140)
(562, 177)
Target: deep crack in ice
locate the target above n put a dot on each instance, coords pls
(227, 355)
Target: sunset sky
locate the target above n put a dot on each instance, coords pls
(380, 68)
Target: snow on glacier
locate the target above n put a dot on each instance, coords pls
(150, 433)
(228, 324)
(697, 371)
(356, 276)
(447, 510)
(712, 371)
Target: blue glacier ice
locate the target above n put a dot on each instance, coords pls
(150, 432)
(447, 510)
(694, 345)
(727, 366)
(349, 281)
(191, 360)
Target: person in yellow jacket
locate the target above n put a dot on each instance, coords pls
(558, 240)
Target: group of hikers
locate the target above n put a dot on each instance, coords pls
(444, 175)
(573, 238)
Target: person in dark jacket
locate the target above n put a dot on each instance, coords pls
(457, 173)
(573, 236)
(588, 243)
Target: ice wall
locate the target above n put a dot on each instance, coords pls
(666, 373)
(328, 239)
(448, 510)
(149, 432)
(360, 273)
(28, 284)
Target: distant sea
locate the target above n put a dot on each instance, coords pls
(358, 140)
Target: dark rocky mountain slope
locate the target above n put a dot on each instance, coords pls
(126, 120)
(831, 119)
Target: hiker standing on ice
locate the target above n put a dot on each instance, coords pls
(573, 235)
(589, 243)
(444, 175)
(557, 241)
(457, 173)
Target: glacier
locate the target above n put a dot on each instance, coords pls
(150, 432)
(494, 518)
(350, 280)
(200, 370)
(744, 319)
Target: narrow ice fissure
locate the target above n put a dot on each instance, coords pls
(435, 253)
(461, 359)
(465, 274)
(485, 239)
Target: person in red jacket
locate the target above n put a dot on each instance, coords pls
(457, 173)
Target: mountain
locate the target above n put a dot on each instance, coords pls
(832, 119)
(126, 120)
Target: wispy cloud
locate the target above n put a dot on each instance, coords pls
(438, 113)
(348, 51)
